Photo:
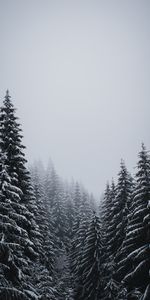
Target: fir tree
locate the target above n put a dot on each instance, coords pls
(46, 238)
(14, 264)
(51, 184)
(115, 223)
(136, 263)
(82, 214)
(11, 145)
(121, 209)
(107, 214)
(16, 192)
(90, 286)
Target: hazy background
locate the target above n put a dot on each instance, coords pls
(79, 74)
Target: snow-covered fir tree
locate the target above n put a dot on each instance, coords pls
(114, 219)
(47, 247)
(15, 263)
(121, 206)
(91, 265)
(82, 213)
(135, 264)
(11, 145)
(18, 204)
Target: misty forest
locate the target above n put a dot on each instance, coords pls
(56, 241)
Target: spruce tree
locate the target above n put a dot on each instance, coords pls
(70, 213)
(82, 214)
(14, 264)
(118, 201)
(11, 145)
(90, 286)
(107, 214)
(121, 208)
(46, 238)
(135, 264)
(77, 203)
(51, 184)
(78, 243)
(18, 194)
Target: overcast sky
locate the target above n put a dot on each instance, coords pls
(79, 74)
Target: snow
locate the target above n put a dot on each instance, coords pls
(31, 294)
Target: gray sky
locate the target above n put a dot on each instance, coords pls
(79, 72)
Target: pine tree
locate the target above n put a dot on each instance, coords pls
(51, 184)
(18, 194)
(115, 223)
(47, 281)
(135, 264)
(82, 213)
(11, 145)
(107, 214)
(121, 208)
(78, 242)
(77, 203)
(104, 206)
(76, 223)
(90, 286)
(46, 238)
(59, 216)
(14, 265)
(70, 213)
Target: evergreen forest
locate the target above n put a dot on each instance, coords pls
(56, 242)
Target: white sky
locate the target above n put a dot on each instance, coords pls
(79, 74)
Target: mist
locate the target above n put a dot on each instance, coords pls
(78, 73)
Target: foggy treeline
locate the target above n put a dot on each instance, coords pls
(55, 243)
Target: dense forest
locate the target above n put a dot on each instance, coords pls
(55, 243)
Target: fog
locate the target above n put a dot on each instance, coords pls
(78, 73)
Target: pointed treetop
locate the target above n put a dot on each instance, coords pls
(122, 162)
(107, 189)
(143, 147)
(144, 152)
(112, 180)
(7, 97)
(8, 102)
(112, 183)
(7, 94)
(107, 184)
(123, 168)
